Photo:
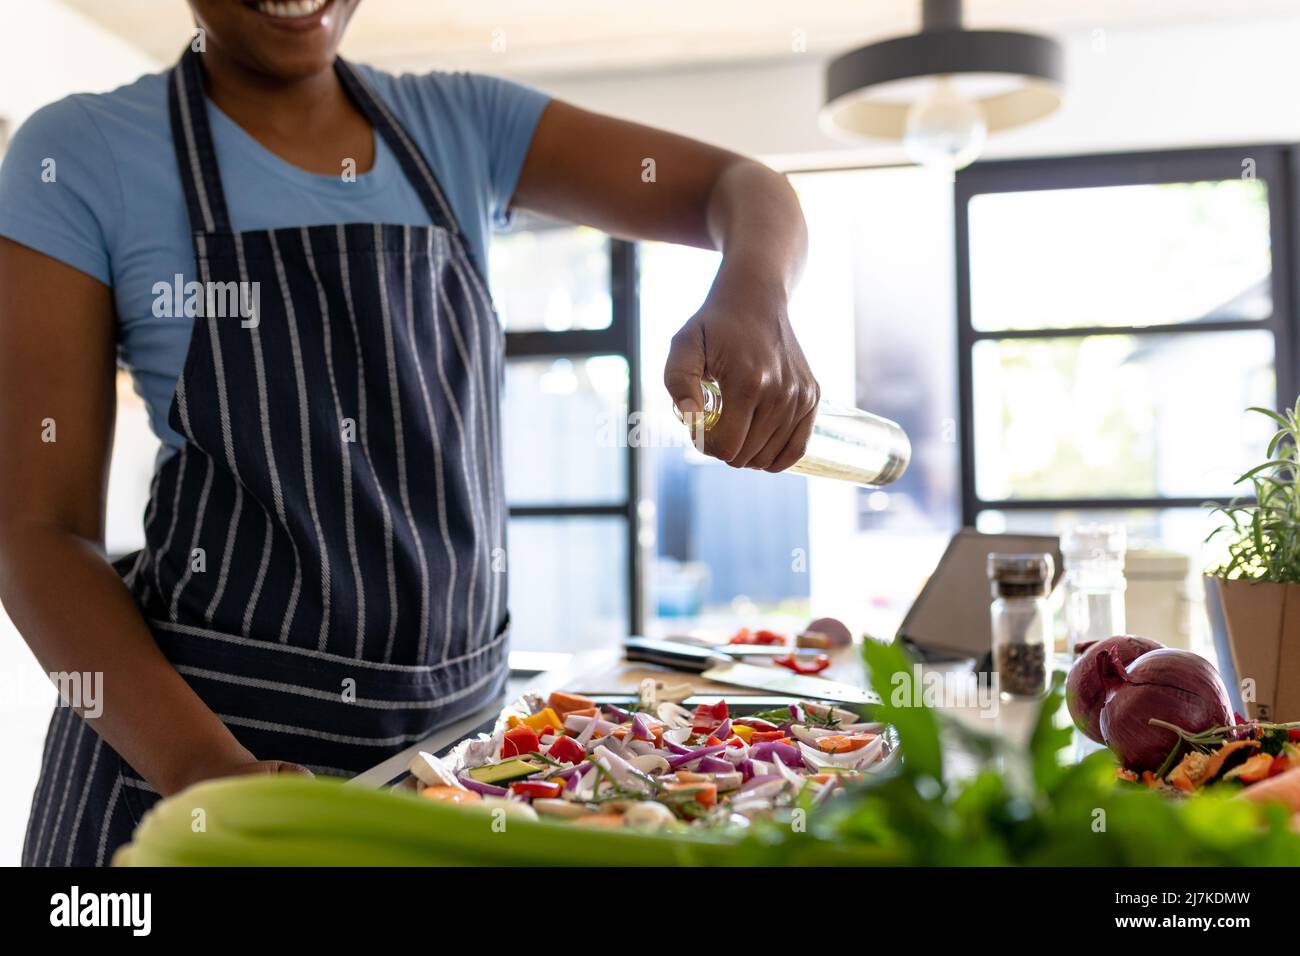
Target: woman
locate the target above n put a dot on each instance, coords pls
(320, 582)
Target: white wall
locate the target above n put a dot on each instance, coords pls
(1229, 81)
(48, 51)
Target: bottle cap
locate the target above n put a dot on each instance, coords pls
(1020, 575)
(1094, 542)
(707, 417)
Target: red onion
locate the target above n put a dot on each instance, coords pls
(833, 630)
(684, 760)
(487, 789)
(714, 765)
(775, 750)
(1178, 687)
(1084, 693)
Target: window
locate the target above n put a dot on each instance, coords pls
(567, 298)
(1116, 315)
(873, 314)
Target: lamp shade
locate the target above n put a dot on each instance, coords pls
(1029, 70)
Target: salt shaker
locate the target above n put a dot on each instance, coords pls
(1094, 582)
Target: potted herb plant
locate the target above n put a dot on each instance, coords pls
(1254, 596)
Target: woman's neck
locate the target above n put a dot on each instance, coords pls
(308, 121)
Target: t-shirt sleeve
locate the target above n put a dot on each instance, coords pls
(507, 115)
(59, 189)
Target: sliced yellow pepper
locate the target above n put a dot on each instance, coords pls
(742, 731)
(546, 717)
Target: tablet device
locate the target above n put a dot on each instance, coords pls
(949, 619)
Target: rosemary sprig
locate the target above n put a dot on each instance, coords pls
(1265, 532)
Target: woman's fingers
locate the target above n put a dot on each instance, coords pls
(685, 368)
(739, 403)
(796, 446)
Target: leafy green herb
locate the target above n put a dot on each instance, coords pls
(1265, 532)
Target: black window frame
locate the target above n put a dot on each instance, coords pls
(622, 338)
(1275, 164)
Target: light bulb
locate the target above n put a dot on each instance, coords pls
(944, 129)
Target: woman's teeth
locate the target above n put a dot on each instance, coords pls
(289, 9)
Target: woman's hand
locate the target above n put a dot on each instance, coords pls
(235, 765)
(645, 183)
(741, 338)
(271, 767)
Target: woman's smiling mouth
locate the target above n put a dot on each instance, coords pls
(288, 9)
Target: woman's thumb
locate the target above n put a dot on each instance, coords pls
(684, 369)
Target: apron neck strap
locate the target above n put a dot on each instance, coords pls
(195, 154)
(418, 171)
(197, 157)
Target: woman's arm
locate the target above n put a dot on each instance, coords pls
(57, 381)
(642, 183)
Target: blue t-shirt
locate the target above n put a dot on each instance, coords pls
(92, 181)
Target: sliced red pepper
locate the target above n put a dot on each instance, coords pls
(759, 736)
(746, 636)
(520, 740)
(802, 666)
(1293, 734)
(708, 717)
(536, 789)
(566, 749)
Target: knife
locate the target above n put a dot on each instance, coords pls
(713, 666)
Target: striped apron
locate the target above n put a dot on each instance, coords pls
(324, 557)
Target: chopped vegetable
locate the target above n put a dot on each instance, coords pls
(534, 789)
(802, 665)
(763, 637)
(566, 750)
(505, 771)
(450, 795)
(544, 718)
(520, 740)
(565, 704)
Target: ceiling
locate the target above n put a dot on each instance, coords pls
(585, 36)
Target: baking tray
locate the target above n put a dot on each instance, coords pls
(738, 707)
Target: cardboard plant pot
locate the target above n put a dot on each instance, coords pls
(1256, 627)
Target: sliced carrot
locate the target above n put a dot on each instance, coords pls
(843, 743)
(705, 794)
(450, 795)
(1253, 770)
(1215, 763)
(583, 712)
(565, 704)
